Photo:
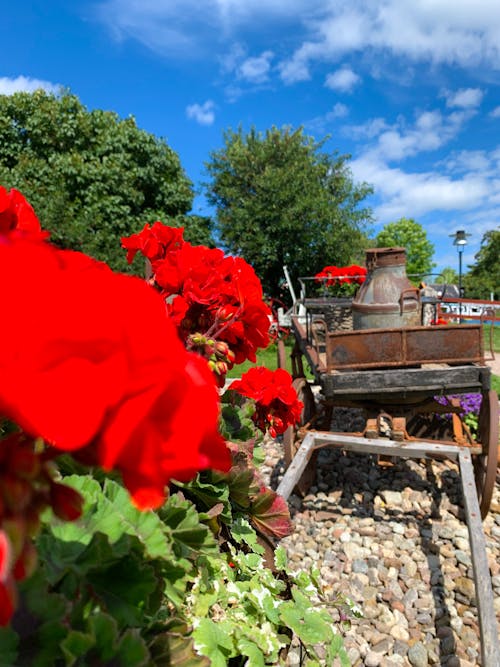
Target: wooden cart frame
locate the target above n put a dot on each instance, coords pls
(394, 375)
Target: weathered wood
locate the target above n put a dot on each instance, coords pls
(297, 466)
(426, 381)
(490, 646)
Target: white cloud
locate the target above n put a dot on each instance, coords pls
(438, 32)
(343, 79)
(294, 70)
(319, 125)
(430, 131)
(495, 113)
(9, 86)
(465, 98)
(256, 69)
(339, 111)
(202, 113)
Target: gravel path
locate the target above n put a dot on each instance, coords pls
(394, 540)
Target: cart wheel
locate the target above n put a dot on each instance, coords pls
(485, 464)
(292, 437)
(281, 353)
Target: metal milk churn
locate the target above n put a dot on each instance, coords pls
(386, 299)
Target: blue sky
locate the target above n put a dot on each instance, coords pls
(409, 88)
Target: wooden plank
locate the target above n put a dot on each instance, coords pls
(490, 645)
(297, 466)
(430, 381)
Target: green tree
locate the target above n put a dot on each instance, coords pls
(483, 278)
(447, 276)
(408, 233)
(91, 176)
(281, 200)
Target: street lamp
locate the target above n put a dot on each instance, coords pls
(460, 240)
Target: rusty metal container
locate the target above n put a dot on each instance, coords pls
(386, 299)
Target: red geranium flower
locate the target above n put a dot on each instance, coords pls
(153, 241)
(91, 363)
(17, 215)
(276, 402)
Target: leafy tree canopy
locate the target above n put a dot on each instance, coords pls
(447, 276)
(281, 200)
(483, 279)
(408, 233)
(91, 176)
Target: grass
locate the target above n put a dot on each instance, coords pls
(267, 358)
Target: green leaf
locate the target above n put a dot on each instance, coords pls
(243, 533)
(125, 588)
(252, 652)
(280, 558)
(214, 641)
(132, 650)
(310, 627)
(75, 646)
(104, 629)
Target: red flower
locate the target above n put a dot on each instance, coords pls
(276, 402)
(90, 362)
(16, 214)
(333, 275)
(153, 241)
(7, 592)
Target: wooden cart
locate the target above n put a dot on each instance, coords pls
(394, 377)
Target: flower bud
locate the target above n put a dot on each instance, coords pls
(221, 349)
(66, 502)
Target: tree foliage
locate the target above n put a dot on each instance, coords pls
(91, 176)
(281, 200)
(483, 278)
(447, 276)
(408, 233)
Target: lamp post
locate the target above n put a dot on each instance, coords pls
(460, 240)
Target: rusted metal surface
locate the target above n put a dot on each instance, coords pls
(393, 348)
(386, 298)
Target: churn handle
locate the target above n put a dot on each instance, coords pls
(412, 290)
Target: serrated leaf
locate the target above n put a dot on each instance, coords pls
(270, 513)
(75, 645)
(125, 588)
(104, 628)
(242, 485)
(310, 627)
(252, 652)
(205, 494)
(132, 650)
(280, 558)
(243, 533)
(214, 641)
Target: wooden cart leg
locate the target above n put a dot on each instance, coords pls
(490, 646)
(292, 436)
(485, 464)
